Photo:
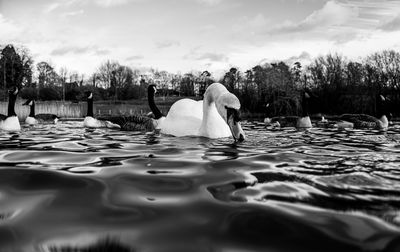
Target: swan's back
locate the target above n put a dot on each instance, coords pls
(184, 118)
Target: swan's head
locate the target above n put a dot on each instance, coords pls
(228, 106)
(28, 103)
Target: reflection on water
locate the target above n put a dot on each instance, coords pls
(281, 190)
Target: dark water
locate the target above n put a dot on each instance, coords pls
(280, 190)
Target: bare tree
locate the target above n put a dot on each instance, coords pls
(63, 76)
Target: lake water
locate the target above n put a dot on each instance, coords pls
(64, 187)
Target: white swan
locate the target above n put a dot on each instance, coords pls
(216, 116)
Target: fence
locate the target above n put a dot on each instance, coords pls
(77, 110)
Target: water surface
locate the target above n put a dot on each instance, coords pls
(280, 190)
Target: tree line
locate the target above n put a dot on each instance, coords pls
(337, 85)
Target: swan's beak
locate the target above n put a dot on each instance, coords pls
(236, 129)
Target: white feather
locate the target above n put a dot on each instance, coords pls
(91, 122)
(10, 124)
(304, 122)
(31, 120)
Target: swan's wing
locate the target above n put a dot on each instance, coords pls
(182, 126)
(184, 118)
(186, 107)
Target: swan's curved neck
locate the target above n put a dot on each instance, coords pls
(90, 107)
(32, 112)
(210, 111)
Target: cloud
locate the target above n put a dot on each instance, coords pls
(72, 13)
(209, 2)
(303, 57)
(218, 57)
(253, 24)
(111, 3)
(167, 43)
(332, 14)
(57, 4)
(196, 54)
(134, 57)
(208, 28)
(391, 25)
(61, 51)
(8, 30)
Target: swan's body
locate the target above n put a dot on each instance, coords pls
(214, 117)
(33, 119)
(10, 122)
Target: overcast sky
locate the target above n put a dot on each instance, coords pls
(184, 35)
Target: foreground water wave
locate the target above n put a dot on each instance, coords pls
(66, 187)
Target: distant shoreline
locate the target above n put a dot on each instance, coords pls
(75, 110)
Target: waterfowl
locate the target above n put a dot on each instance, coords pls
(10, 122)
(158, 116)
(33, 118)
(90, 121)
(126, 123)
(363, 121)
(300, 122)
(325, 123)
(216, 116)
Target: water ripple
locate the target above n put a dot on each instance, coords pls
(66, 186)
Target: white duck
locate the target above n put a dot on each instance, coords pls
(216, 116)
(10, 122)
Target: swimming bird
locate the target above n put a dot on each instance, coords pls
(216, 116)
(122, 122)
(325, 123)
(10, 122)
(33, 118)
(363, 121)
(158, 116)
(90, 121)
(301, 122)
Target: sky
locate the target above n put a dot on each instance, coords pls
(185, 35)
